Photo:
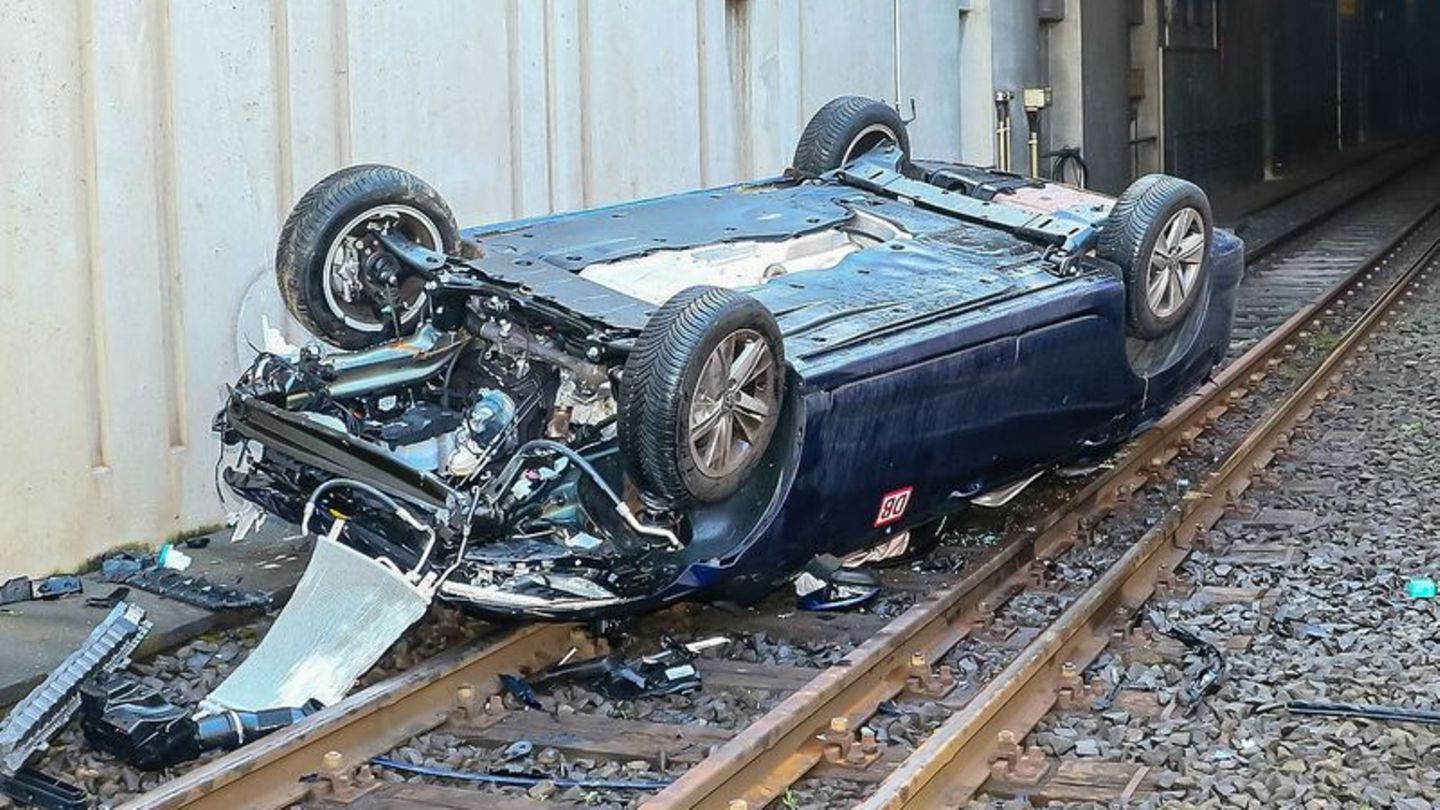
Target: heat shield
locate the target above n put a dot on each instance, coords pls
(346, 611)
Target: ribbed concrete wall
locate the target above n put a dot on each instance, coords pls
(150, 150)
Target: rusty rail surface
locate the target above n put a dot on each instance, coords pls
(318, 756)
(774, 752)
(953, 764)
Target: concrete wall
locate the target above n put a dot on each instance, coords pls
(151, 150)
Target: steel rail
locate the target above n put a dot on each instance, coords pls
(280, 769)
(954, 762)
(769, 755)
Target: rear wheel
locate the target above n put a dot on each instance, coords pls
(1159, 233)
(846, 128)
(702, 394)
(336, 277)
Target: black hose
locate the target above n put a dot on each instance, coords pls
(507, 475)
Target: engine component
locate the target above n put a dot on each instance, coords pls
(485, 432)
(512, 338)
(422, 436)
(36, 718)
(123, 716)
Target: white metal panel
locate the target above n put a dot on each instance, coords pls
(150, 150)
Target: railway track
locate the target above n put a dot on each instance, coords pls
(808, 724)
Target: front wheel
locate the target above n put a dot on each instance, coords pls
(701, 395)
(337, 278)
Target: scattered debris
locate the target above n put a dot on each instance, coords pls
(131, 720)
(172, 558)
(668, 672)
(110, 600)
(25, 589)
(1368, 712)
(515, 686)
(40, 714)
(827, 583)
(195, 590)
(520, 780)
(31, 787)
(1212, 672)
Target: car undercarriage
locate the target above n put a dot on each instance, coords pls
(596, 413)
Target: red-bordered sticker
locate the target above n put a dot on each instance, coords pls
(893, 505)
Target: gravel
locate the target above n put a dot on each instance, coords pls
(1336, 624)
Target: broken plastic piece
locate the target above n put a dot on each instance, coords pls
(517, 687)
(31, 788)
(134, 722)
(1209, 678)
(1399, 713)
(119, 565)
(109, 600)
(172, 558)
(346, 611)
(24, 589)
(194, 590)
(1420, 588)
(15, 590)
(36, 718)
(826, 585)
(56, 587)
(668, 672)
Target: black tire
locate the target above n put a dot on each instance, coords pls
(1141, 216)
(316, 224)
(846, 127)
(662, 381)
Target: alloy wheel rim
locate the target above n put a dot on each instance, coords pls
(733, 404)
(1175, 262)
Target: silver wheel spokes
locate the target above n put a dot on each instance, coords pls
(345, 293)
(733, 403)
(1175, 262)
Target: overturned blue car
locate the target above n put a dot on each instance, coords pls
(692, 397)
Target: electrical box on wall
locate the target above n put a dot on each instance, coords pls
(1136, 82)
(1135, 12)
(1050, 10)
(1036, 98)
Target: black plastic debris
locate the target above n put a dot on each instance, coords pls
(31, 788)
(132, 721)
(191, 589)
(40, 714)
(1212, 670)
(827, 584)
(671, 671)
(515, 686)
(1317, 708)
(109, 600)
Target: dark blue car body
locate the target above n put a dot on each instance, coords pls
(928, 370)
(971, 340)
